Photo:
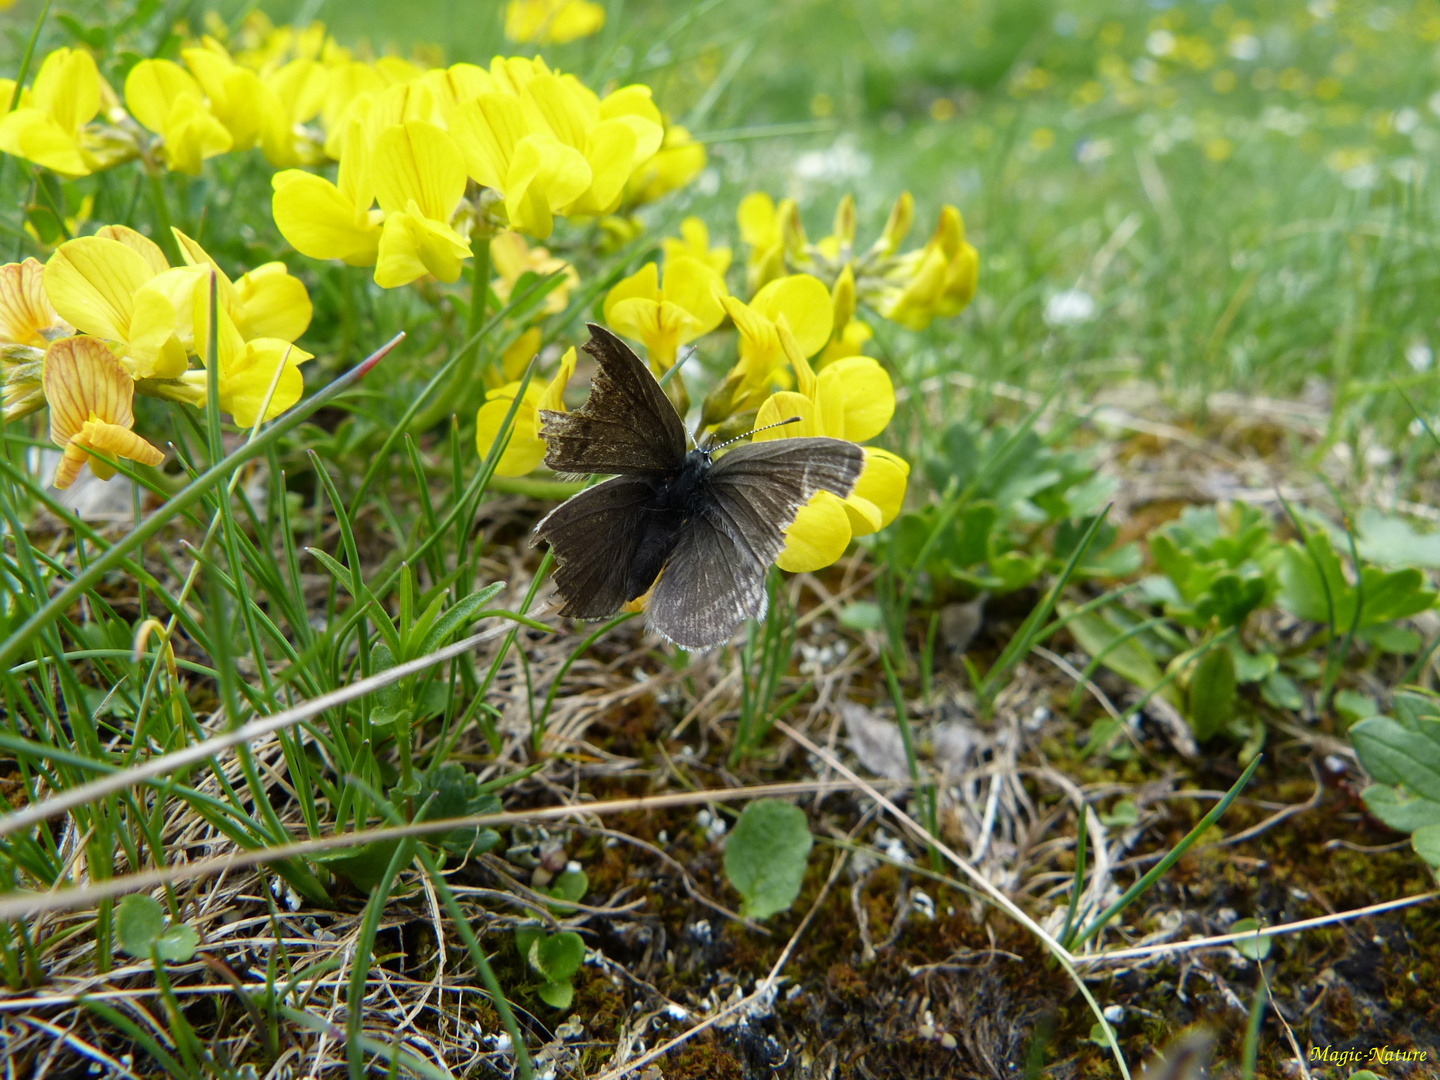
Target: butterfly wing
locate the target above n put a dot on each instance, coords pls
(715, 578)
(711, 585)
(627, 425)
(596, 537)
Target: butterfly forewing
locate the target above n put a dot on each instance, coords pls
(627, 425)
(595, 536)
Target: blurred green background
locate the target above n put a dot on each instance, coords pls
(1223, 196)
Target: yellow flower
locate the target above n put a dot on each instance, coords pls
(117, 286)
(419, 179)
(552, 22)
(514, 358)
(678, 161)
(28, 324)
(848, 334)
(802, 305)
(267, 302)
(850, 399)
(330, 221)
(236, 93)
(762, 228)
(48, 126)
(165, 98)
(511, 257)
(247, 368)
(526, 449)
(26, 314)
(90, 399)
(550, 146)
(938, 280)
(687, 307)
(695, 242)
(289, 98)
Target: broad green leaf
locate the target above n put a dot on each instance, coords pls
(1280, 691)
(862, 615)
(1393, 754)
(458, 617)
(177, 944)
(569, 887)
(558, 995)
(1353, 705)
(557, 956)
(1391, 541)
(1399, 809)
(1426, 842)
(1123, 813)
(1093, 633)
(139, 922)
(1313, 587)
(1252, 948)
(1212, 693)
(765, 856)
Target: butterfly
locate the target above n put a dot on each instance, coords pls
(706, 527)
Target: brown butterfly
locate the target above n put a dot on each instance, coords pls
(706, 527)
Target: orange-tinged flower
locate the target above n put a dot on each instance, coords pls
(26, 314)
(90, 398)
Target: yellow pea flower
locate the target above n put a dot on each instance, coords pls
(289, 98)
(761, 224)
(331, 221)
(511, 256)
(848, 334)
(267, 302)
(526, 449)
(802, 304)
(28, 323)
(236, 93)
(48, 126)
(695, 242)
(687, 307)
(679, 160)
(552, 22)
(98, 284)
(514, 358)
(247, 368)
(419, 178)
(939, 280)
(850, 399)
(90, 398)
(167, 100)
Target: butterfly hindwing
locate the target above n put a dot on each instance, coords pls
(596, 537)
(715, 578)
(627, 425)
(711, 585)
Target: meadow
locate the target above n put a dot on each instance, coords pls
(1096, 725)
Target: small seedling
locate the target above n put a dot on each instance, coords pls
(555, 958)
(142, 933)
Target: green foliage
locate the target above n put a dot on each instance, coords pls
(1313, 586)
(1212, 693)
(1252, 948)
(1402, 754)
(765, 856)
(556, 958)
(141, 929)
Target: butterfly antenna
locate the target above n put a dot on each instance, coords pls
(746, 435)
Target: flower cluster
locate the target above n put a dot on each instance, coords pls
(107, 315)
(935, 281)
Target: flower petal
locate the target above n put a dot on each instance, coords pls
(245, 381)
(273, 303)
(82, 379)
(25, 311)
(319, 221)
(525, 450)
(882, 484)
(868, 394)
(805, 303)
(418, 162)
(817, 537)
(91, 281)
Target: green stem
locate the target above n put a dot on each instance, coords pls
(455, 397)
(166, 239)
(537, 489)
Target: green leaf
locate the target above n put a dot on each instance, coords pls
(139, 922)
(557, 956)
(1252, 948)
(458, 617)
(862, 615)
(1123, 813)
(177, 944)
(1391, 541)
(1280, 691)
(765, 856)
(1308, 573)
(557, 995)
(1251, 667)
(1129, 659)
(363, 867)
(1212, 693)
(1426, 842)
(1353, 705)
(1400, 810)
(569, 887)
(1394, 754)
(1392, 639)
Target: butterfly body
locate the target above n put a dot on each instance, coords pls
(706, 527)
